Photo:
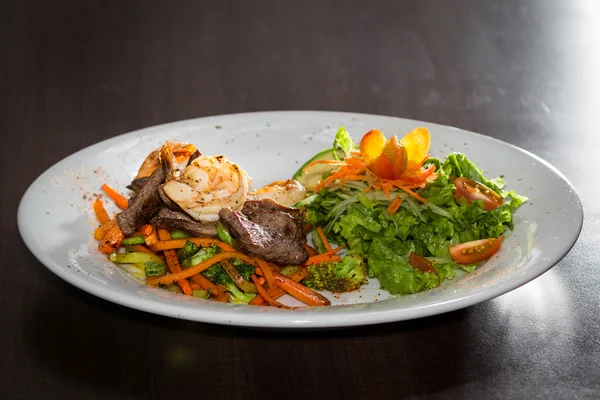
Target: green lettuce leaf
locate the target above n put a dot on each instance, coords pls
(343, 144)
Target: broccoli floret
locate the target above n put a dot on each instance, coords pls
(152, 268)
(201, 255)
(217, 275)
(244, 269)
(345, 275)
(186, 251)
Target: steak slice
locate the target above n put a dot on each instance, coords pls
(137, 184)
(167, 200)
(262, 241)
(145, 204)
(169, 219)
(268, 213)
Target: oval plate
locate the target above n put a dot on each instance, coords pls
(56, 221)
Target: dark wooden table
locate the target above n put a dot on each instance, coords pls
(73, 73)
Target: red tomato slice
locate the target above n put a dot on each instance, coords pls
(421, 263)
(472, 190)
(475, 251)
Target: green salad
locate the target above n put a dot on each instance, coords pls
(414, 219)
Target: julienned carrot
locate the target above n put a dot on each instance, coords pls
(203, 282)
(120, 200)
(321, 258)
(173, 263)
(142, 249)
(265, 295)
(296, 276)
(100, 212)
(179, 243)
(323, 238)
(151, 240)
(395, 204)
(112, 240)
(267, 272)
(257, 300)
(146, 229)
(222, 297)
(100, 232)
(164, 234)
(310, 250)
(336, 250)
(277, 293)
(196, 269)
(195, 286)
(301, 292)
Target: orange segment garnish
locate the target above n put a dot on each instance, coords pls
(416, 143)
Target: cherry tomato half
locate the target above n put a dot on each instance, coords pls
(472, 190)
(421, 263)
(475, 251)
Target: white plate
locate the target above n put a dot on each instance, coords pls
(56, 221)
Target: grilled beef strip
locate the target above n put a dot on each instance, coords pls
(268, 213)
(145, 204)
(169, 219)
(262, 241)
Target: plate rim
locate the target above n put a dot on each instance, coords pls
(286, 319)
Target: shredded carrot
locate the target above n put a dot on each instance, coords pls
(179, 243)
(301, 292)
(267, 272)
(321, 258)
(413, 194)
(195, 286)
(265, 295)
(120, 200)
(173, 263)
(323, 238)
(354, 168)
(261, 280)
(196, 269)
(204, 283)
(112, 240)
(395, 204)
(328, 162)
(100, 211)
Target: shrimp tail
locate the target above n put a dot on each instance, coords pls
(169, 161)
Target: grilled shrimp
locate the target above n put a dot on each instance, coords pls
(206, 185)
(287, 192)
(151, 162)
